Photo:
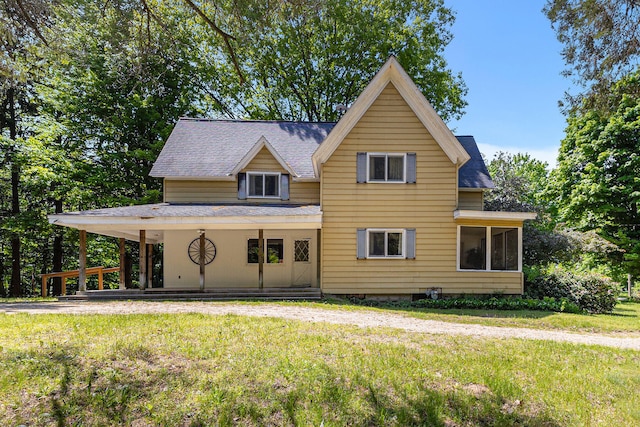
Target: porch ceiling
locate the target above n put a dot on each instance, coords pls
(156, 218)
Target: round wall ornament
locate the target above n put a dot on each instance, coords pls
(209, 251)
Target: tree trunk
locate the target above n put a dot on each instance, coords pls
(15, 286)
(3, 292)
(57, 251)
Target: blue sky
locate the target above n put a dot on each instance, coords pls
(510, 61)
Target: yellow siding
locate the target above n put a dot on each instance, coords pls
(390, 126)
(470, 200)
(264, 162)
(178, 191)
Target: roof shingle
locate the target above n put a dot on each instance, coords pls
(203, 148)
(212, 148)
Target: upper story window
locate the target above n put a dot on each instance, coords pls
(264, 184)
(386, 167)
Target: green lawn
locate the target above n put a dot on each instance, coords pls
(193, 369)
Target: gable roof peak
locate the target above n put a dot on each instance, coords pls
(255, 150)
(392, 72)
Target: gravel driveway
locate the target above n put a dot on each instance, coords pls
(363, 319)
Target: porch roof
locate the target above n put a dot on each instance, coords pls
(126, 221)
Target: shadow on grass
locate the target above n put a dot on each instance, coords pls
(119, 390)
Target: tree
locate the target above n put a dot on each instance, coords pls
(520, 181)
(315, 56)
(596, 185)
(601, 44)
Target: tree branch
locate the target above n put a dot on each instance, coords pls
(225, 37)
(30, 22)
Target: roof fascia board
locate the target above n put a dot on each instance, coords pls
(473, 189)
(201, 178)
(351, 118)
(253, 152)
(113, 224)
(392, 72)
(493, 215)
(302, 179)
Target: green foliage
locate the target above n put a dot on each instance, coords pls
(519, 179)
(589, 291)
(479, 303)
(596, 185)
(316, 55)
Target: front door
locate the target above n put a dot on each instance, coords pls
(301, 262)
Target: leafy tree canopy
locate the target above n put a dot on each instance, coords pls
(601, 43)
(519, 180)
(596, 185)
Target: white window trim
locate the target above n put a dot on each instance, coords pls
(488, 249)
(404, 168)
(263, 174)
(386, 241)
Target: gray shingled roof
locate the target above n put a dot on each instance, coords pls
(213, 148)
(474, 173)
(165, 210)
(203, 148)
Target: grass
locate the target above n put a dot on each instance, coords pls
(27, 299)
(191, 369)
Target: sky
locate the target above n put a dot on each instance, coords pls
(510, 60)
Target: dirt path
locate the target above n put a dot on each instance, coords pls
(364, 319)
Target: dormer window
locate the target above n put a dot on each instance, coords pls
(264, 184)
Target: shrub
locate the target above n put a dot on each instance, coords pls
(479, 303)
(591, 292)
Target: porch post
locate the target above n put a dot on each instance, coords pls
(150, 265)
(82, 262)
(260, 258)
(143, 259)
(201, 258)
(122, 284)
(318, 255)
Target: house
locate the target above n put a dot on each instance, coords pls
(387, 201)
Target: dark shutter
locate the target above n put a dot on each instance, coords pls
(411, 243)
(362, 243)
(411, 168)
(284, 186)
(361, 167)
(242, 186)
